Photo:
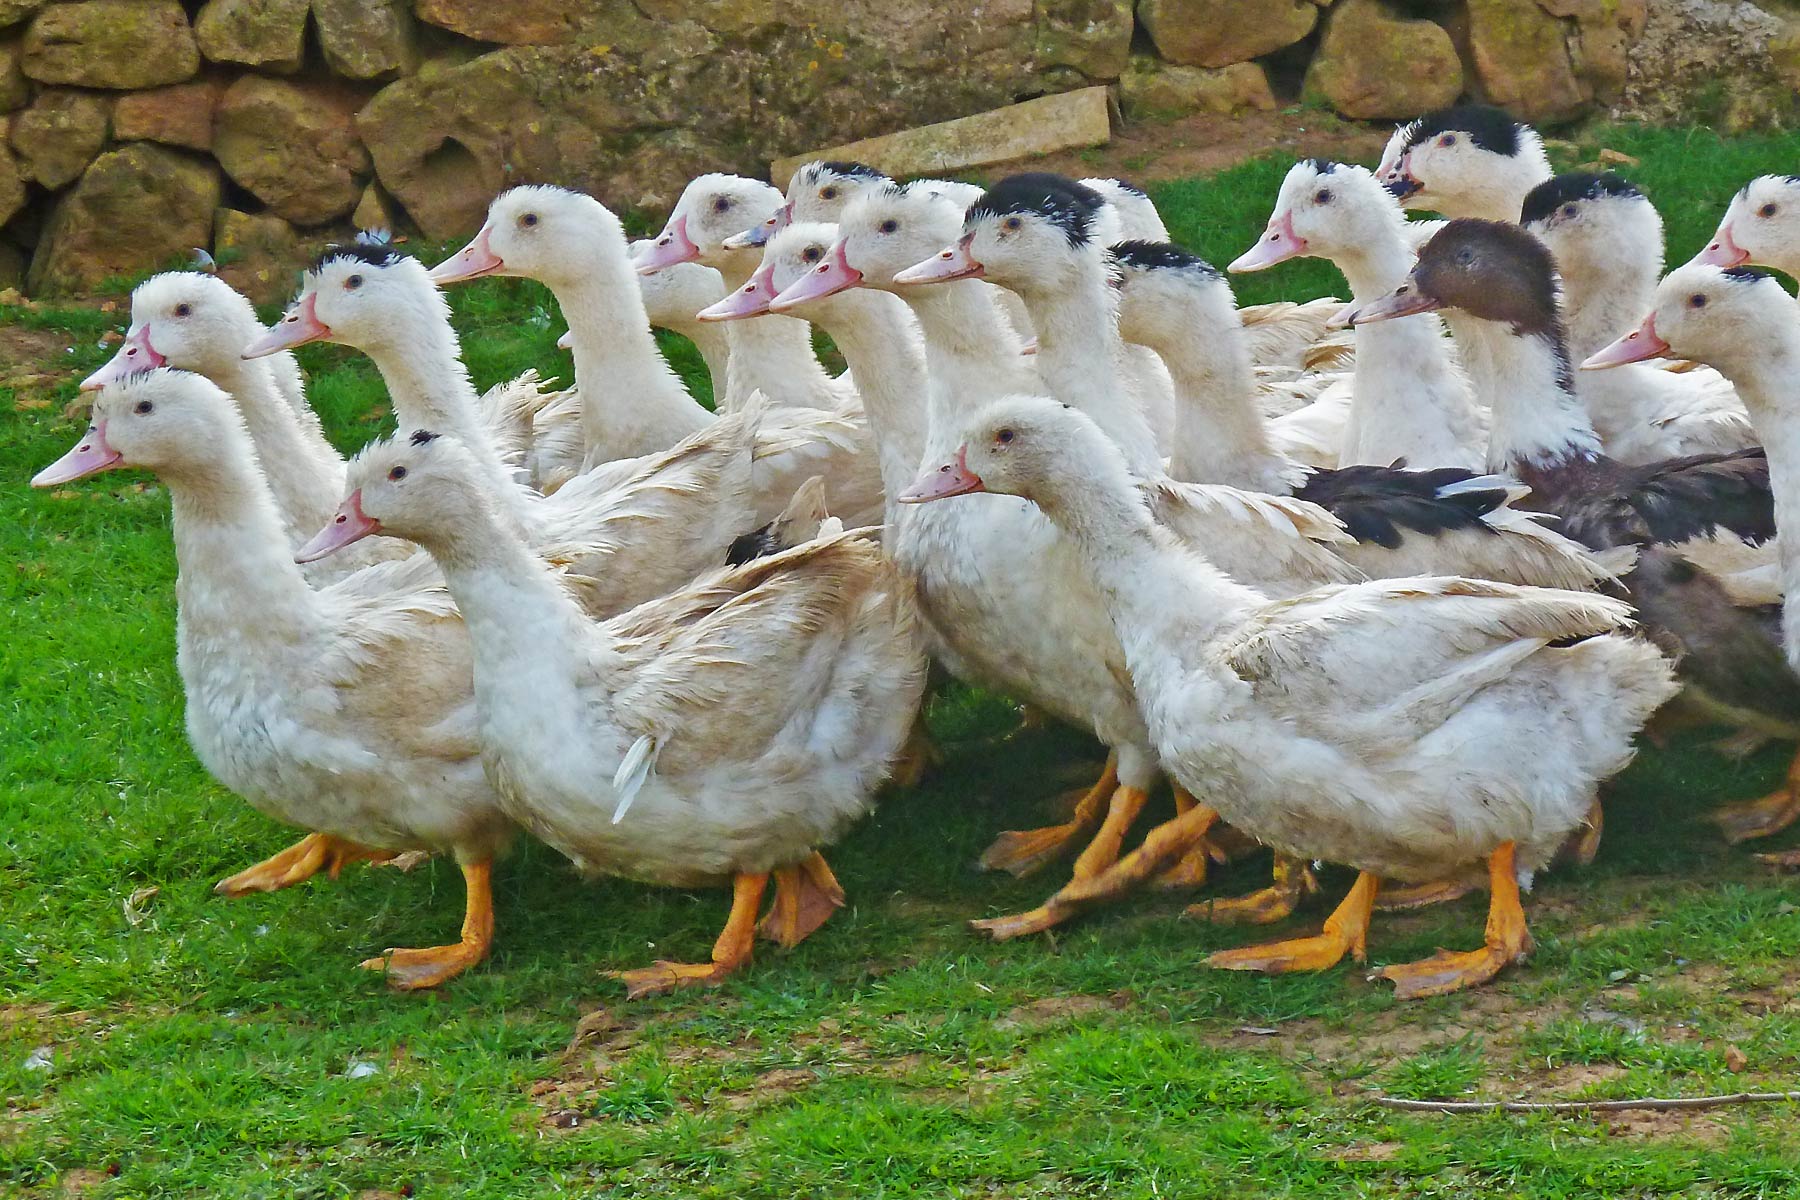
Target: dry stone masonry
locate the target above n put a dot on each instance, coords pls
(134, 130)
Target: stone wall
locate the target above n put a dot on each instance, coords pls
(136, 129)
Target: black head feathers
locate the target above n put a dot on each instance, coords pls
(1166, 256)
(1322, 166)
(1746, 273)
(421, 437)
(374, 256)
(853, 169)
(1572, 187)
(1485, 126)
(1069, 205)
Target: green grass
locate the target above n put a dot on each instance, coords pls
(205, 1048)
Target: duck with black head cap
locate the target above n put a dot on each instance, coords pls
(1471, 160)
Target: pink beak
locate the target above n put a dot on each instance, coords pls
(1279, 243)
(471, 262)
(759, 235)
(1722, 251)
(1636, 346)
(566, 341)
(134, 354)
(830, 277)
(952, 479)
(952, 262)
(1405, 301)
(1399, 180)
(751, 300)
(671, 248)
(300, 326)
(90, 456)
(350, 525)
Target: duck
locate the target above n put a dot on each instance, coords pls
(632, 402)
(1740, 321)
(671, 298)
(1448, 519)
(1372, 724)
(1003, 606)
(776, 356)
(1759, 227)
(1408, 397)
(1728, 654)
(384, 303)
(1468, 160)
(723, 732)
(294, 699)
(1607, 239)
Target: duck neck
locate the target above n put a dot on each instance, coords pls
(1078, 356)
(876, 336)
(714, 345)
(970, 351)
(1765, 380)
(1220, 436)
(632, 403)
(774, 354)
(305, 474)
(421, 364)
(1378, 263)
(1538, 422)
(1604, 294)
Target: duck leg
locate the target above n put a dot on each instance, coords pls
(806, 894)
(1346, 932)
(917, 758)
(1584, 844)
(1190, 870)
(730, 953)
(1763, 816)
(1294, 881)
(1507, 941)
(299, 862)
(1162, 847)
(1422, 895)
(410, 970)
(1022, 851)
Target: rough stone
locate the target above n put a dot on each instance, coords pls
(1151, 88)
(12, 186)
(12, 267)
(293, 146)
(1606, 30)
(59, 135)
(14, 11)
(1373, 64)
(178, 115)
(516, 22)
(111, 44)
(1091, 36)
(15, 89)
(366, 39)
(1218, 33)
(1069, 121)
(257, 254)
(269, 35)
(1712, 62)
(1521, 57)
(135, 209)
(375, 210)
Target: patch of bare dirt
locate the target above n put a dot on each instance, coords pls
(1051, 1010)
(1688, 1126)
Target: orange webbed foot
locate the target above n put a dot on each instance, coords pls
(731, 953)
(412, 970)
(1766, 814)
(1294, 881)
(1019, 852)
(1506, 940)
(299, 862)
(1346, 932)
(806, 894)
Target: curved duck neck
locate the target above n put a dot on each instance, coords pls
(876, 335)
(971, 352)
(305, 474)
(1220, 436)
(774, 353)
(1538, 423)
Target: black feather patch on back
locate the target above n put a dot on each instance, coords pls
(1067, 204)
(1155, 256)
(1572, 187)
(1490, 128)
(1604, 503)
(747, 547)
(1380, 505)
(374, 256)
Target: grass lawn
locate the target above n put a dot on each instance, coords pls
(176, 1044)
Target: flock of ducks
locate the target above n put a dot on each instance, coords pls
(1389, 584)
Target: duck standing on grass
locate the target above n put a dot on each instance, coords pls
(724, 731)
(1375, 724)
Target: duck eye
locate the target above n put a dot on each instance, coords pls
(1322, 196)
(722, 204)
(890, 225)
(1697, 300)
(397, 474)
(529, 220)
(352, 283)
(1465, 256)
(810, 254)
(143, 408)
(829, 193)
(184, 309)
(1449, 139)
(1005, 437)
(1568, 210)
(1015, 222)
(1767, 210)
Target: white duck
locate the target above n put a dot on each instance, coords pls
(631, 401)
(725, 731)
(1472, 160)
(1607, 238)
(1761, 227)
(1005, 604)
(1375, 724)
(1408, 398)
(671, 298)
(346, 710)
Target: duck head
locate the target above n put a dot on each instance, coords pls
(184, 319)
(712, 208)
(163, 420)
(1027, 233)
(1730, 318)
(1491, 270)
(1472, 160)
(418, 485)
(1761, 227)
(361, 296)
